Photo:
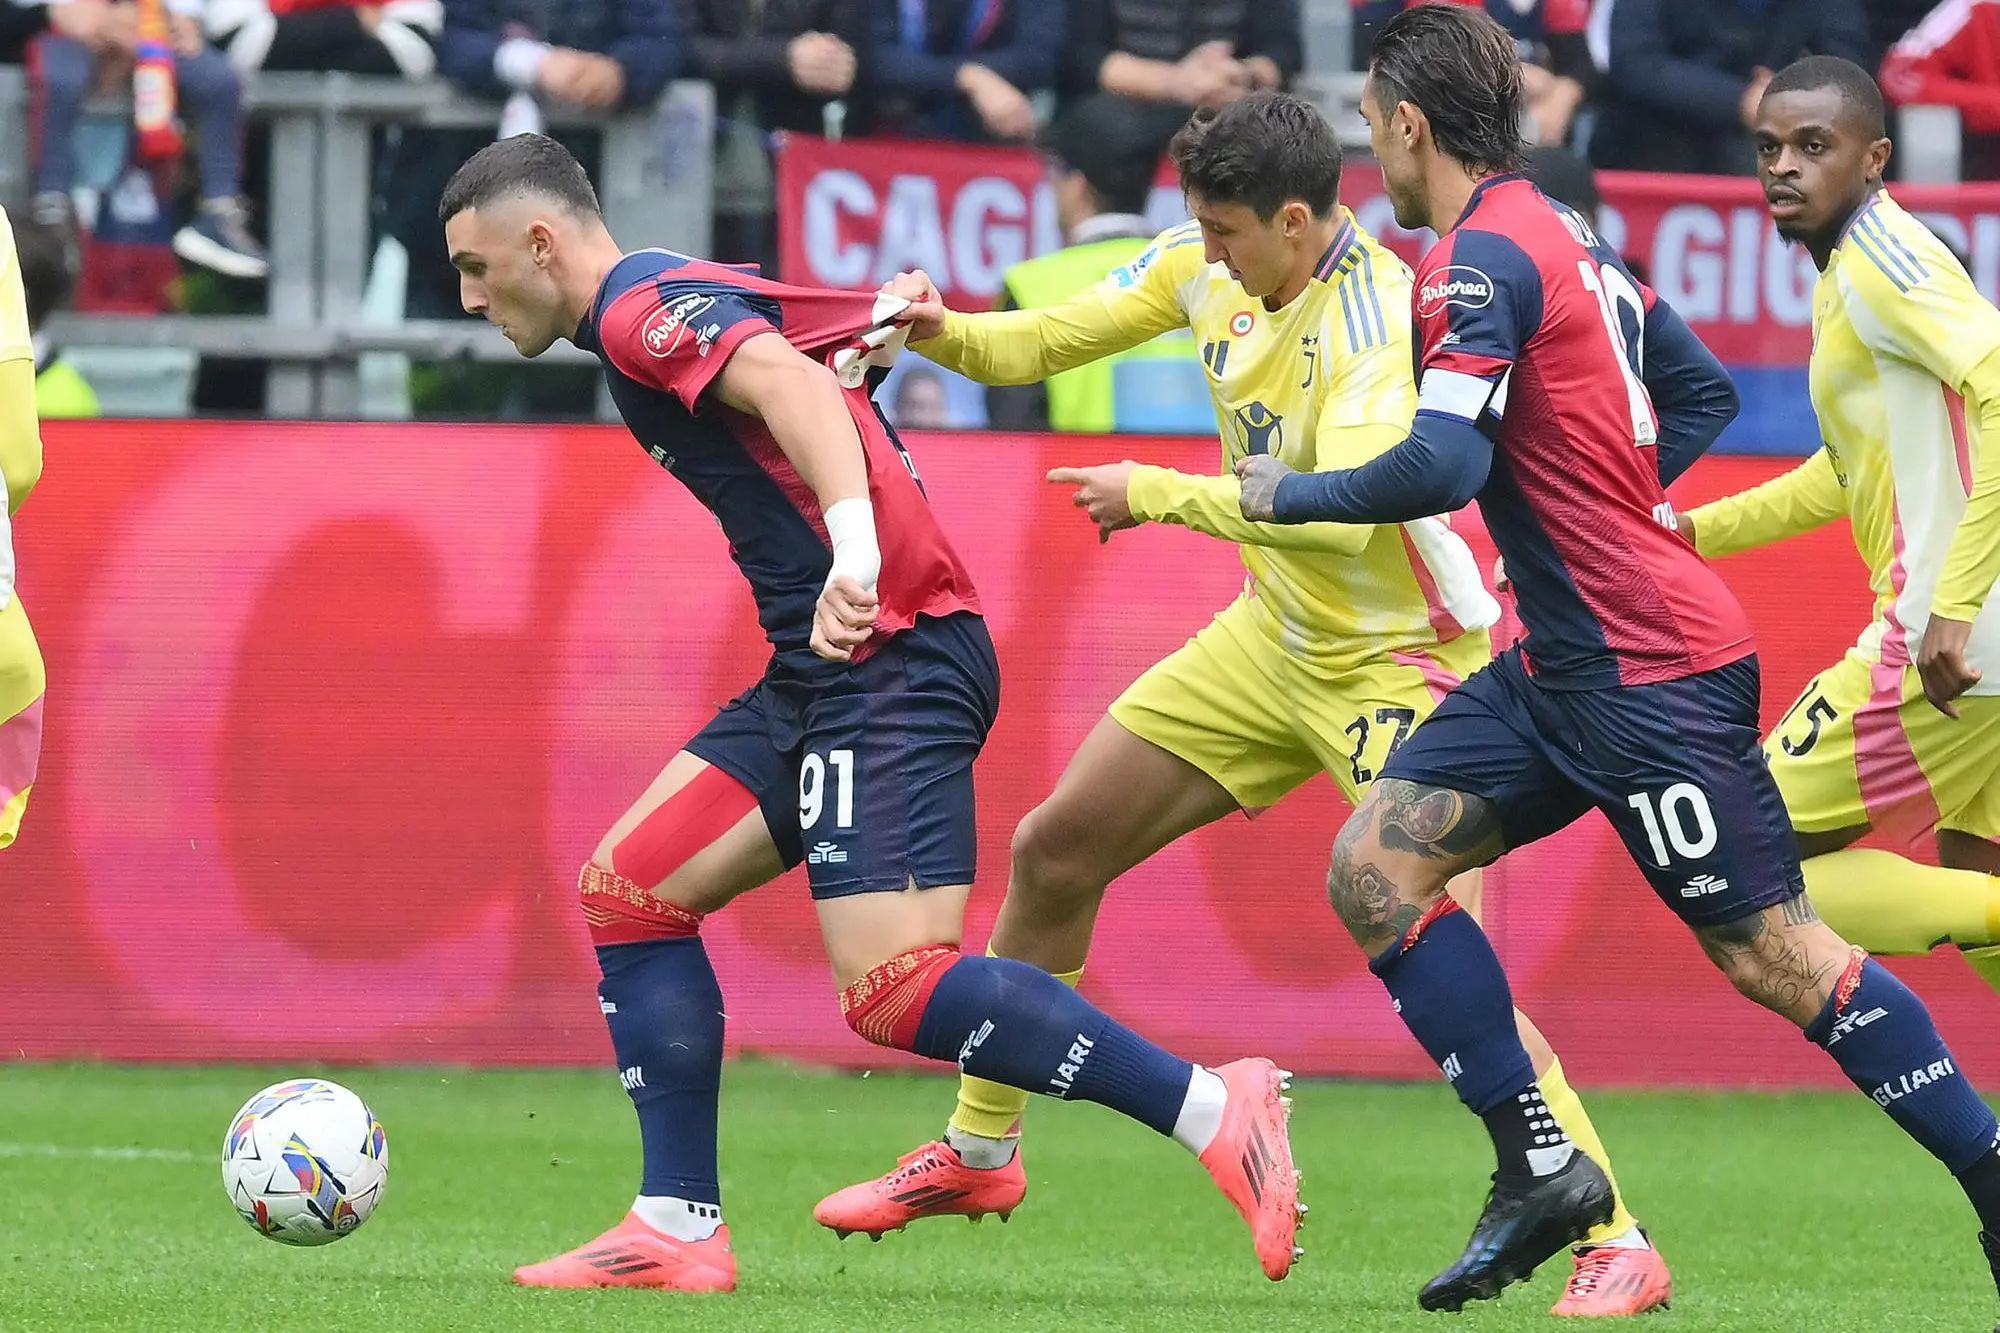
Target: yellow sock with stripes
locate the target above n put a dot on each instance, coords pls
(990, 1110)
(1567, 1107)
(1889, 904)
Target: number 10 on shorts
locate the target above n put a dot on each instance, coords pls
(813, 783)
(1680, 818)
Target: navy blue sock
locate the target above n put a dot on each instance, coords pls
(1449, 989)
(1882, 1037)
(664, 1009)
(1008, 1021)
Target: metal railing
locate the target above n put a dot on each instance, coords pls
(655, 183)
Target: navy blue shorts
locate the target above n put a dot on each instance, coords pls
(1676, 767)
(869, 780)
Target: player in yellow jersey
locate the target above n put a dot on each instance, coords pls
(1902, 735)
(21, 678)
(1344, 638)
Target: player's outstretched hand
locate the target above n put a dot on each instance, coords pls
(1941, 663)
(926, 313)
(844, 619)
(1103, 492)
(1260, 474)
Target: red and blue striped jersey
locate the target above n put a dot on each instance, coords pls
(1530, 327)
(665, 325)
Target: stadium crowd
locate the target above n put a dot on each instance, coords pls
(1631, 84)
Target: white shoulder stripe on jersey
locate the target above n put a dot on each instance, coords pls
(1452, 393)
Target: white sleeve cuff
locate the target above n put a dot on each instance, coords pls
(518, 62)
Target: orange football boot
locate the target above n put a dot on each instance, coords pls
(1251, 1160)
(632, 1254)
(931, 1181)
(1614, 1280)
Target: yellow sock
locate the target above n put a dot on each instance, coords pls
(1986, 962)
(994, 1110)
(1568, 1110)
(1891, 905)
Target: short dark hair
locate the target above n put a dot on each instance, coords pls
(1857, 89)
(1114, 144)
(46, 276)
(1260, 151)
(1462, 70)
(525, 164)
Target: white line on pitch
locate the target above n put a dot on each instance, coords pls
(100, 1154)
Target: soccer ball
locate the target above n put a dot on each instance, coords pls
(305, 1161)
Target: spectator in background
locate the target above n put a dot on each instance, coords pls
(1176, 55)
(596, 54)
(393, 38)
(1686, 75)
(964, 69)
(1888, 21)
(778, 65)
(920, 402)
(1952, 58)
(1556, 65)
(98, 51)
(83, 20)
(46, 278)
(1567, 178)
(1102, 161)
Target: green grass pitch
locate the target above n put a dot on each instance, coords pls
(1779, 1213)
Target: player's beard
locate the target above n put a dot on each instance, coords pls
(1411, 214)
(1412, 210)
(1793, 232)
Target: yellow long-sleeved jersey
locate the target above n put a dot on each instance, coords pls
(1905, 381)
(20, 433)
(1324, 382)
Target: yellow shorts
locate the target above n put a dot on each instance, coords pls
(1863, 746)
(21, 685)
(1260, 722)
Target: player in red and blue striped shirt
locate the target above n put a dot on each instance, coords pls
(1563, 397)
(852, 754)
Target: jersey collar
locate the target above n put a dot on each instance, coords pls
(585, 336)
(1875, 197)
(1479, 193)
(1344, 239)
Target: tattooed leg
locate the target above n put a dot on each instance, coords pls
(1784, 957)
(1395, 855)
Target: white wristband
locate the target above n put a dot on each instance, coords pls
(850, 526)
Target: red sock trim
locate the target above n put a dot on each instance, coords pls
(619, 911)
(1444, 906)
(887, 1004)
(708, 806)
(1850, 978)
